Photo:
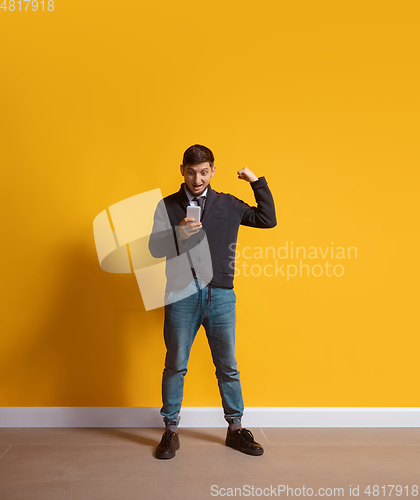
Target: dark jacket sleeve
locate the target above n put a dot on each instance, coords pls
(264, 214)
(164, 240)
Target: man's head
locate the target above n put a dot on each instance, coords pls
(197, 168)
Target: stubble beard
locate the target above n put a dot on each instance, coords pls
(195, 194)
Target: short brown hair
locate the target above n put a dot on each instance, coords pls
(197, 154)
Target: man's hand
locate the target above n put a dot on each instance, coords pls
(247, 175)
(188, 228)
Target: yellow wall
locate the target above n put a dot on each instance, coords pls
(98, 102)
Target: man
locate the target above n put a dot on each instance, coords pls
(201, 294)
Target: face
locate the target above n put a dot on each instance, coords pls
(197, 177)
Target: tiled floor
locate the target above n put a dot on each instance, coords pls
(118, 463)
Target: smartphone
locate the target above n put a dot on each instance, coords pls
(194, 212)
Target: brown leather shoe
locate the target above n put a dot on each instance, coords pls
(168, 445)
(243, 440)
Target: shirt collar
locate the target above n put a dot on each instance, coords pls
(190, 196)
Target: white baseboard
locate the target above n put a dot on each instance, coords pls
(210, 417)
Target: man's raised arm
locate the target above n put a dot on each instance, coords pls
(264, 214)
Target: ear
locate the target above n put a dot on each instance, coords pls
(182, 170)
(213, 170)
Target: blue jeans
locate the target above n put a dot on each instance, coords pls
(215, 309)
